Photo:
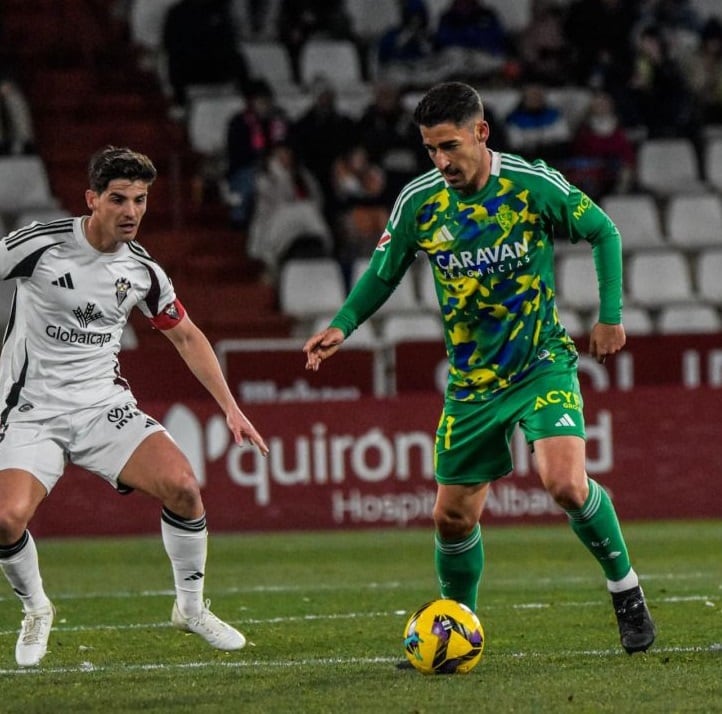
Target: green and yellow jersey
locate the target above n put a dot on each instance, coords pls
(492, 257)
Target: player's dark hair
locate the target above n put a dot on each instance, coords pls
(113, 162)
(453, 102)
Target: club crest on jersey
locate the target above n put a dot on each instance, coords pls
(383, 241)
(85, 317)
(122, 287)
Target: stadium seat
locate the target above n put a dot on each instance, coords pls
(694, 221)
(145, 21)
(577, 281)
(637, 321)
(403, 299)
(269, 60)
(24, 184)
(708, 273)
(713, 163)
(208, 119)
(370, 23)
(405, 327)
(668, 166)
(336, 60)
(309, 288)
(514, 16)
(688, 319)
(638, 220)
(658, 278)
(573, 321)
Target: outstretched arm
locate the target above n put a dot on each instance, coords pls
(198, 354)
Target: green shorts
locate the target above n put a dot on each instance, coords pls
(473, 438)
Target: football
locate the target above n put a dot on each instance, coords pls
(443, 637)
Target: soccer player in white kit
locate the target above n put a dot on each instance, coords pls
(62, 396)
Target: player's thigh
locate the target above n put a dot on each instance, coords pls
(561, 465)
(472, 443)
(158, 467)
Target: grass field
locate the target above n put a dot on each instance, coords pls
(325, 613)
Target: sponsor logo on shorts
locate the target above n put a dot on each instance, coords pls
(569, 400)
(120, 416)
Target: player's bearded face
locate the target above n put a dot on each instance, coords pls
(459, 152)
(118, 211)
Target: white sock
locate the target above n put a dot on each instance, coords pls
(22, 569)
(186, 543)
(630, 580)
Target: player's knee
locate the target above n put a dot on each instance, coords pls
(13, 522)
(184, 495)
(453, 525)
(568, 494)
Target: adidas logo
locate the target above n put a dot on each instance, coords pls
(194, 576)
(64, 281)
(565, 420)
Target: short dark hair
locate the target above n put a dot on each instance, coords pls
(453, 102)
(112, 162)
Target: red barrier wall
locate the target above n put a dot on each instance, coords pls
(367, 463)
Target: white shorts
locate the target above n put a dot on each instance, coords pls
(100, 439)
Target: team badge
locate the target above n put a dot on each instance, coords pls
(122, 287)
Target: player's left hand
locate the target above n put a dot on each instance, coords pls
(243, 430)
(606, 340)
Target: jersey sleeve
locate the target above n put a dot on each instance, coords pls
(582, 219)
(160, 304)
(21, 250)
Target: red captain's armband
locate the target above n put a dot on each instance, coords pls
(170, 316)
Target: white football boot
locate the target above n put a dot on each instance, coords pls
(213, 630)
(32, 642)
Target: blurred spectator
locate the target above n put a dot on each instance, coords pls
(200, 44)
(16, 124)
(600, 35)
(391, 137)
(406, 50)
(471, 39)
(703, 69)
(320, 135)
(252, 132)
(288, 217)
(658, 89)
(543, 46)
(256, 19)
(535, 128)
(299, 20)
(603, 157)
(359, 187)
(678, 21)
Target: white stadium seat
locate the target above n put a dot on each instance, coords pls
(688, 319)
(208, 119)
(708, 272)
(24, 184)
(694, 221)
(336, 60)
(405, 327)
(309, 288)
(668, 166)
(659, 278)
(637, 218)
(577, 281)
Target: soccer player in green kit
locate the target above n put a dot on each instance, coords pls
(487, 221)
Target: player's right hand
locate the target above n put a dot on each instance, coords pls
(321, 346)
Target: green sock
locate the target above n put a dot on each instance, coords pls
(459, 565)
(597, 526)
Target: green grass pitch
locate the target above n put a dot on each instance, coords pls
(324, 614)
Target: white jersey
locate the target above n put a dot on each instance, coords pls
(61, 346)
